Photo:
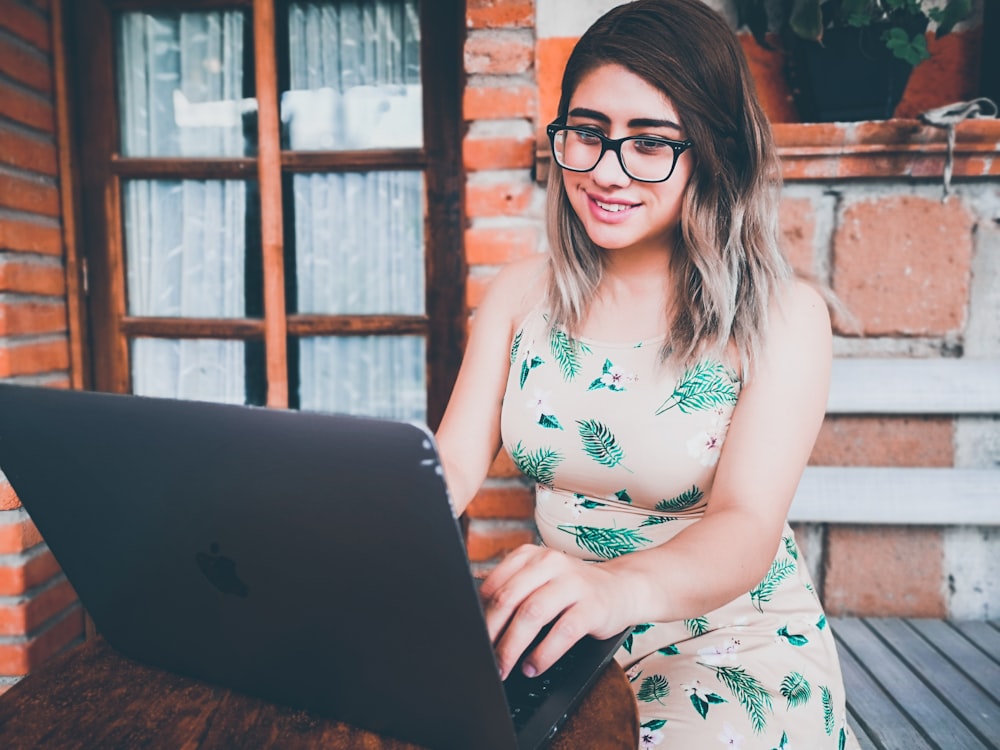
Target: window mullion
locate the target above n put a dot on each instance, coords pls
(269, 174)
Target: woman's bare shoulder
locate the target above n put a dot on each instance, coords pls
(518, 286)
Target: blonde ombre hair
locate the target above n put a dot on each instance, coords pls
(726, 264)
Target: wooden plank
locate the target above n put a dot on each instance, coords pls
(914, 386)
(864, 741)
(984, 635)
(904, 688)
(892, 495)
(966, 655)
(875, 712)
(977, 708)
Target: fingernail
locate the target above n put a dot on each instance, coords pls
(529, 670)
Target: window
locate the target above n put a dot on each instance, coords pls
(271, 195)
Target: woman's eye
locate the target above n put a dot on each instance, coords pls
(650, 145)
(587, 136)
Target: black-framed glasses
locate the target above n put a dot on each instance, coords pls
(646, 158)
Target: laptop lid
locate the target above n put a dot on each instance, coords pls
(309, 559)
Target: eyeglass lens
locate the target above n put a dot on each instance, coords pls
(642, 158)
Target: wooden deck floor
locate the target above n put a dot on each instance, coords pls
(914, 684)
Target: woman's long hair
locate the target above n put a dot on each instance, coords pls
(726, 262)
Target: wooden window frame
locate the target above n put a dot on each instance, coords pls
(91, 45)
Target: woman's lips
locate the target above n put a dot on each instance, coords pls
(610, 211)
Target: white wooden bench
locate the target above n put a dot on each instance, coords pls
(889, 495)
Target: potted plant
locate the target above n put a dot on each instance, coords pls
(849, 59)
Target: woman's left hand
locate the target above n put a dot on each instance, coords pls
(534, 586)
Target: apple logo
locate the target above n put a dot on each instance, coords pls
(221, 572)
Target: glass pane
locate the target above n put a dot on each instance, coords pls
(377, 376)
(186, 244)
(198, 369)
(180, 85)
(359, 243)
(354, 76)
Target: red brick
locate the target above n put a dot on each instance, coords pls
(495, 246)
(503, 467)
(28, 615)
(498, 53)
(950, 75)
(27, 67)
(17, 535)
(885, 441)
(29, 237)
(487, 543)
(498, 199)
(26, 108)
(497, 153)
(29, 195)
(19, 658)
(26, 25)
(28, 318)
(798, 233)
(767, 68)
(902, 265)
(31, 154)
(498, 102)
(495, 14)
(27, 573)
(509, 501)
(895, 571)
(32, 278)
(34, 359)
(8, 498)
(551, 55)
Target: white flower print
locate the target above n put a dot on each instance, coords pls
(718, 655)
(540, 403)
(649, 737)
(616, 378)
(730, 737)
(707, 444)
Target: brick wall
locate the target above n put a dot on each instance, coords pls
(859, 211)
(39, 614)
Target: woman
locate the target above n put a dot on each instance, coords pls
(662, 377)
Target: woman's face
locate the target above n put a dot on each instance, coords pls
(619, 212)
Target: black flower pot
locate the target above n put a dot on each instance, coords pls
(851, 76)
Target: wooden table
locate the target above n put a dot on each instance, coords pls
(93, 697)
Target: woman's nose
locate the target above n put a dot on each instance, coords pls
(609, 170)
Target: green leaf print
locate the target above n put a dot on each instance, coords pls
(623, 496)
(763, 591)
(790, 547)
(783, 743)
(827, 709)
(606, 543)
(683, 501)
(567, 353)
(601, 444)
(701, 704)
(515, 346)
(821, 622)
(527, 367)
(653, 688)
(549, 421)
(668, 650)
(843, 739)
(707, 385)
(697, 626)
(654, 724)
(796, 689)
(540, 465)
(637, 630)
(751, 694)
(792, 638)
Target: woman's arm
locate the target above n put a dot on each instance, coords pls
(721, 556)
(468, 437)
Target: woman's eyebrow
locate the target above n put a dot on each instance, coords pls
(639, 122)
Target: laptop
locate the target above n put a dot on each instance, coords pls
(309, 559)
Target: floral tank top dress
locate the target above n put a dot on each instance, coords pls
(623, 453)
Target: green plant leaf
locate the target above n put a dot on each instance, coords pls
(566, 352)
(763, 591)
(827, 709)
(549, 421)
(606, 543)
(796, 689)
(697, 626)
(751, 694)
(953, 12)
(706, 385)
(653, 688)
(540, 465)
(600, 443)
(806, 19)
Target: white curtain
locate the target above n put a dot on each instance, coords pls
(180, 83)
(359, 237)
